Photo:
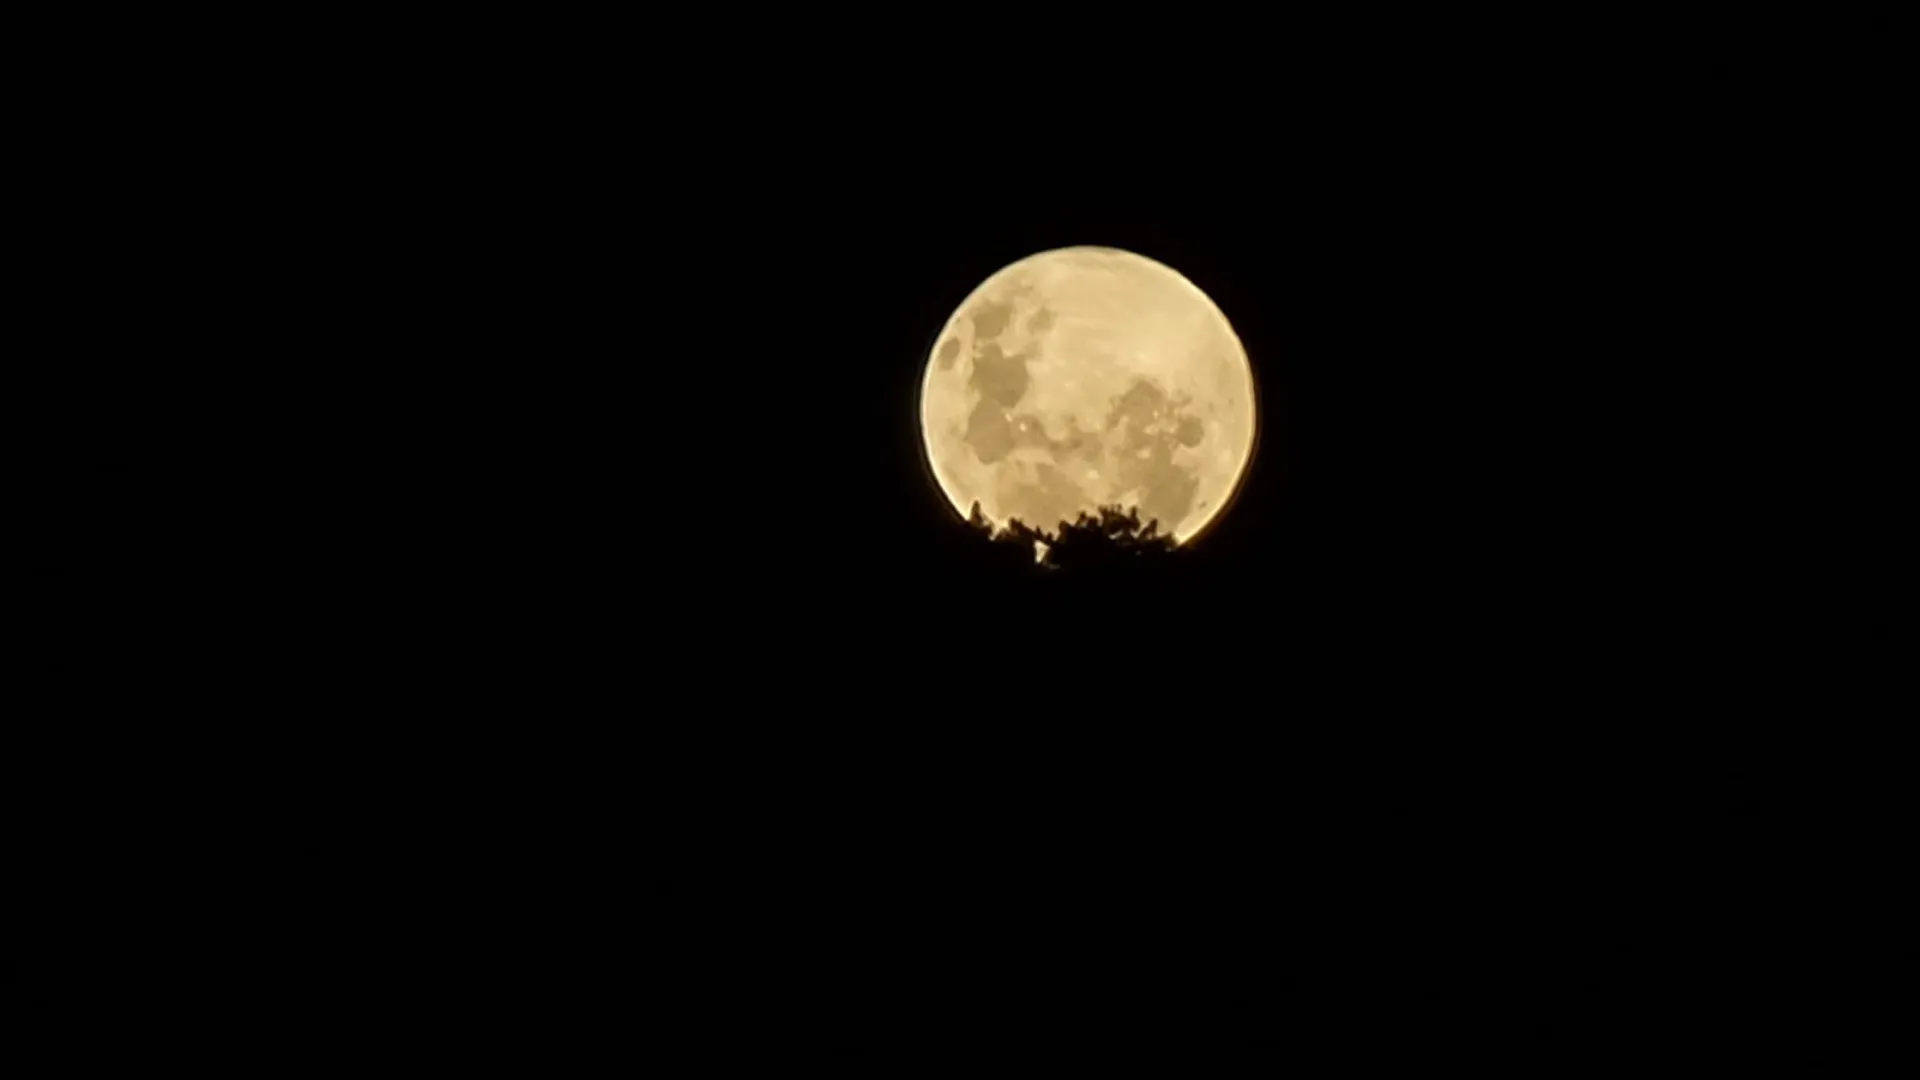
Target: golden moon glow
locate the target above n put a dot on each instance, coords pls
(1085, 377)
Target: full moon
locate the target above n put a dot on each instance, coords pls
(1086, 377)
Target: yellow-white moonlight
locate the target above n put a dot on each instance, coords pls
(1085, 377)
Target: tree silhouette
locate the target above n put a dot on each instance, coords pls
(1111, 538)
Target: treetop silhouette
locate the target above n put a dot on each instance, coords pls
(1110, 537)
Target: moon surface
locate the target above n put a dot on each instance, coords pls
(1085, 377)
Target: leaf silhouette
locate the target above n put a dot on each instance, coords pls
(1109, 538)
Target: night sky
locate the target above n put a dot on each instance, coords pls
(628, 672)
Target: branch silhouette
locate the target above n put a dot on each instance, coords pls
(1109, 538)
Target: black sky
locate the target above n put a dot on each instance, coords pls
(557, 423)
